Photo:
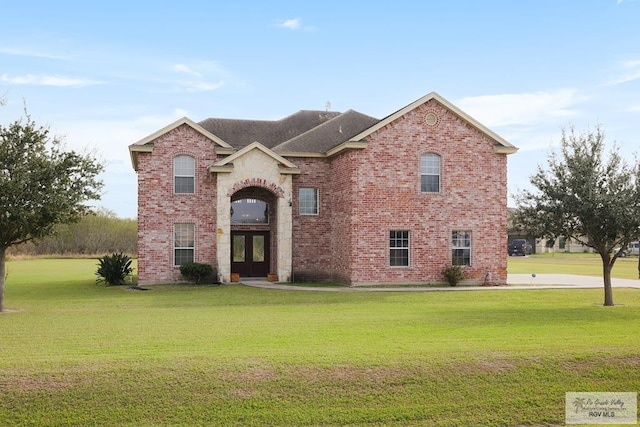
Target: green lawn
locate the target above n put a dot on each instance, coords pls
(577, 263)
(74, 353)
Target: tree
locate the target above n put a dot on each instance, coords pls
(586, 196)
(41, 185)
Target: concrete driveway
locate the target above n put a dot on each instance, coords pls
(567, 280)
(514, 281)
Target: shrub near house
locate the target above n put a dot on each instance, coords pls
(322, 195)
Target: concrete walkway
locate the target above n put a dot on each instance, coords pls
(514, 281)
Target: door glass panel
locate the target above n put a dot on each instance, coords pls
(238, 248)
(258, 248)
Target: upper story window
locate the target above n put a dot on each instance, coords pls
(308, 201)
(430, 173)
(184, 173)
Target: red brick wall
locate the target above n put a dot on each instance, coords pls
(388, 197)
(312, 257)
(159, 208)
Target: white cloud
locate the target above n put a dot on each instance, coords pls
(44, 80)
(629, 70)
(182, 68)
(197, 81)
(522, 108)
(290, 24)
(294, 24)
(31, 53)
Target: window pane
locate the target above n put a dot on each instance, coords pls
(184, 174)
(184, 184)
(238, 248)
(184, 236)
(399, 248)
(258, 248)
(184, 166)
(399, 257)
(430, 173)
(430, 164)
(430, 183)
(183, 243)
(183, 256)
(249, 211)
(308, 199)
(461, 248)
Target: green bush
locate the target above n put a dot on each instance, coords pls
(196, 271)
(453, 274)
(113, 269)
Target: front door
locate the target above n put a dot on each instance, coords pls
(250, 253)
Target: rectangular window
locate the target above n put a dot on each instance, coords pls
(184, 174)
(308, 201)
(430, 173)
(461, 248)
(399, 248)
(183, 243)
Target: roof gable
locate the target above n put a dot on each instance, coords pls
(145, 145)
(183, 121)
(224, 164)
(503, 146)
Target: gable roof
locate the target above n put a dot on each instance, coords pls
(329, 134)
(240, 133)
(145, 145)
(307, 132)
(255, 146)
(502, 145)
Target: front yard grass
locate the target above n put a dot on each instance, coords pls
(584, 264)
(74, 353)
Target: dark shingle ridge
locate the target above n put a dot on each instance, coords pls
(329, 134)
(241, 132)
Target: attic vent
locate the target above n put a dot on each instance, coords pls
(431, 119)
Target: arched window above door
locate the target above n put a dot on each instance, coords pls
(249, 211)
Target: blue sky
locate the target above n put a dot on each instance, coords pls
(103, 75)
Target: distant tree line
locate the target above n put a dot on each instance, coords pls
(94, 234)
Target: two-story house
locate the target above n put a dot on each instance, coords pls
(323, 195)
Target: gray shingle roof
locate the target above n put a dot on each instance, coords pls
(305, 131)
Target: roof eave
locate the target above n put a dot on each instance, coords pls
(301, 154)
(221, 169)
(348, 145)
(284, 170)
(499, 149)
(133, 153)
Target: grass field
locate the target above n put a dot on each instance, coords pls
(74, 353)
(576, 263)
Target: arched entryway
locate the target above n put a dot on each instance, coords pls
(253, 225)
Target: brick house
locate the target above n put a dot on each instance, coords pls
(322, 195)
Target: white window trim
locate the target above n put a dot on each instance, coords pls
(317, 191)
(193, 248)
(175, 174)
(470, 247)
(408, 248)
(439, 174)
